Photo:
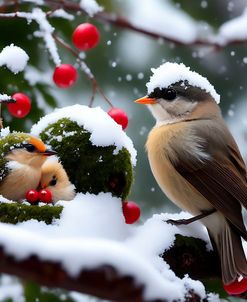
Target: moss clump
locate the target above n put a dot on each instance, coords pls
(6, 144)
(16, 212)
(90, 168)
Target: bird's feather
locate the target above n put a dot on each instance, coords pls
(221, 179)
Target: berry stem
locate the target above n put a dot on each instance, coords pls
(87, 71)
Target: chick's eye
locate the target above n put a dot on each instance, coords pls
(169, 94)
(53, 182)
(29, 147)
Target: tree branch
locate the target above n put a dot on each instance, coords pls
(121, 22)
(187, 256)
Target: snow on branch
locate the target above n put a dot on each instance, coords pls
(231, 32)
(104, 281)
(96, 253)
(45, 29)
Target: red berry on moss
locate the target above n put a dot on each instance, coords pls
(236, 288)
(85, 36)
(119, 117)
(64, 75)
(32, 196)
(21, 107)
(45, 196)
(131, 211)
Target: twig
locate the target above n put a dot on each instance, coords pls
(87, 71)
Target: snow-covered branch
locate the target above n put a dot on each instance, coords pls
(106, 282)
(227, 34)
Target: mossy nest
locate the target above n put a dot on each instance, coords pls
(90, 168)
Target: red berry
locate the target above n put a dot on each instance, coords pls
(64, 75)
(236, 288)
(21, 107)
(119, 117)
(45, 196)
(131, 212)
(85, 36)
(32, 196)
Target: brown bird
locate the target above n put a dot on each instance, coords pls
(55, 179)
(21, 161)
(197, 163)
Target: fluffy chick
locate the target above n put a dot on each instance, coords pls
(55, 179)
(21, 158)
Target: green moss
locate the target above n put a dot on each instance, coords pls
(90, 168)
(15, 212)
(6, 143)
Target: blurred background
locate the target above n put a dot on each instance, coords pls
(121, 64)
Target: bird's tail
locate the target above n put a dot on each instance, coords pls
(232, 256)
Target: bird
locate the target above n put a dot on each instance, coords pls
(21, 158)
(197, 163)
(55, 179)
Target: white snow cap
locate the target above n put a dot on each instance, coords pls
(14, 57)
(171, 73)
(104, 130)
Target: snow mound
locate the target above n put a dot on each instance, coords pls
(14, 57)
(171, 73)
(91, 232)
(104, 130)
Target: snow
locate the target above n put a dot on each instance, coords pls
(104, 130)
(10, 289)
(61, 13)
(4, 132)
(92, 232)
(14, 57)
(171, 73)
(159, 17)
(4, 97)
(91, 7)
(234, 29)
(45, 29)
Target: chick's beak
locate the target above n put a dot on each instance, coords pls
(146, 100)
(49, 152)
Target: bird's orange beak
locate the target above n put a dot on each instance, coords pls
(146, 100)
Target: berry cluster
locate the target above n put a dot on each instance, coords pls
(33, 196)
(86, 36)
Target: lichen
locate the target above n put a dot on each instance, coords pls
(90, 168)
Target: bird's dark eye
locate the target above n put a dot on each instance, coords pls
(29, 147)
(165, 93)
(53, 182)
(169, 94)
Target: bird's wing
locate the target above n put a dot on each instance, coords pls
(221, 179)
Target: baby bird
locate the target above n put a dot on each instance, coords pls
(55, 179)
(21, 158)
